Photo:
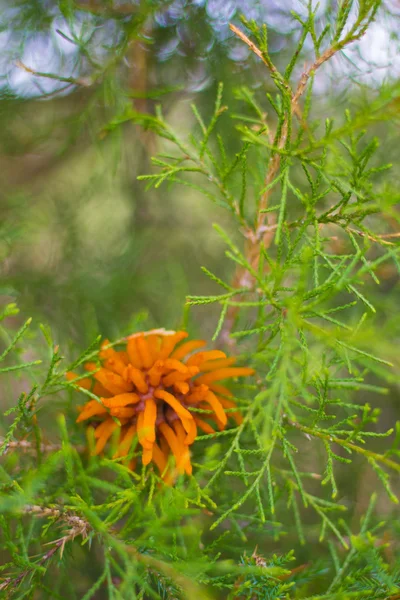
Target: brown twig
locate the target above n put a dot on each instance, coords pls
(265, 58)
(261, 235)
(28, 446)
(380, 238)
(83, 82)
(78, 527)
(388, 235)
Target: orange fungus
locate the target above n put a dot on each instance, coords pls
(158, 392)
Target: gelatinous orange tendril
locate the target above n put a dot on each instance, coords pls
(150, 392)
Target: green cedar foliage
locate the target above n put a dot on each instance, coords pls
(264, 515)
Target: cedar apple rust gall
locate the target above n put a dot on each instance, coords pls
(150, 392)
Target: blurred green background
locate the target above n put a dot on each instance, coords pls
(84, 247)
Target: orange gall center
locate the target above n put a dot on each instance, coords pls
(158, 392)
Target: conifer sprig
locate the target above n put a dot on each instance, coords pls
(311, 231)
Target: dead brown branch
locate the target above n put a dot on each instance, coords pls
(77, 527)
(27, 446)
(81, 81)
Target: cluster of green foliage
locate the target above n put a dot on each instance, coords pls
(311, 211)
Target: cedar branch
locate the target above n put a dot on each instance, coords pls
(261, 235)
